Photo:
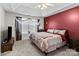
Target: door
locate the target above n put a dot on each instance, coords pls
(17, 27)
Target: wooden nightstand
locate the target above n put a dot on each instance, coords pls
(74, 44)
(7, 46)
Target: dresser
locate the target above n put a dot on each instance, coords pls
(7, 46)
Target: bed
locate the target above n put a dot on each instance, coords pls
(50, 40)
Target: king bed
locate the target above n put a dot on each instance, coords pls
(50, 40)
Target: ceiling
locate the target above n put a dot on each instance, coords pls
(29, 8)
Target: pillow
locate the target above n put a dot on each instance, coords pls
(50, 30)
(62, 32)
(56, 31)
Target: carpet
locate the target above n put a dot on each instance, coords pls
(26, 48)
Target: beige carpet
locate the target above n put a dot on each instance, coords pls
(26, 48)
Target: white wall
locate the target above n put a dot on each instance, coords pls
(10, 20)
(2, 26)
(2, 18)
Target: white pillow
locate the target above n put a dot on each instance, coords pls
(62, 32)
(56, 31)
(50, 30)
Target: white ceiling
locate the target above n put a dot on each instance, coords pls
(29, 8)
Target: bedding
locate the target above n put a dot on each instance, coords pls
(46, 41)
(50, 30)
(62, 32)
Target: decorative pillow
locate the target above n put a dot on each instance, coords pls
(50, 30)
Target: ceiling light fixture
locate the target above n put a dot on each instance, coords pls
(44, 5)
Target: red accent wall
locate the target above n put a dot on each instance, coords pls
(68, 20)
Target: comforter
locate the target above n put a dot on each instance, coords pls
(46, 41)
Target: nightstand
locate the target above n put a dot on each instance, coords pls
(73, 44)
